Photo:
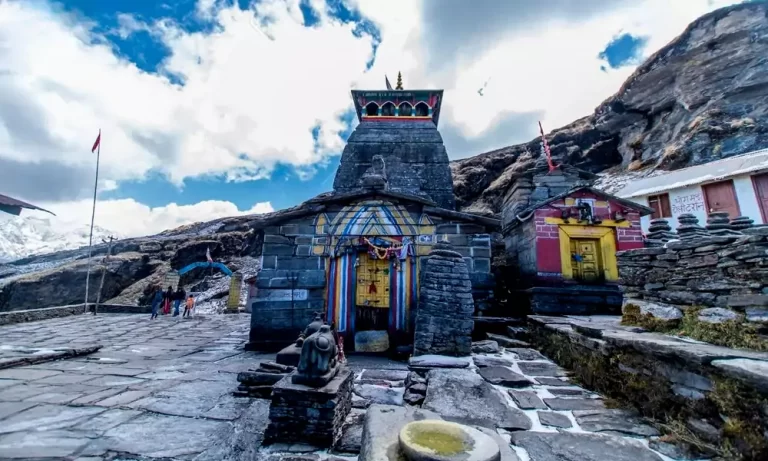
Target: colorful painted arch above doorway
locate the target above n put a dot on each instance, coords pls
(373, 218)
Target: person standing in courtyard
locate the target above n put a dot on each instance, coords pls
(167, 300)
(178, 298)
(190, 304)
(156, 300)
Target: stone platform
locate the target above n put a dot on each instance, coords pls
(695, 384)
(302, 414)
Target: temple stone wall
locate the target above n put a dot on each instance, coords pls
(723, 271)
(415, 159)
(290, 287)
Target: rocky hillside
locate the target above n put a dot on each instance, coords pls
(702, 97)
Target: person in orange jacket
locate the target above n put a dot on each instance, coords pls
(190, 304)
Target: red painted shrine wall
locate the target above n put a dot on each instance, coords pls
(548, 238)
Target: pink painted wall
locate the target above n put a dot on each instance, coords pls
(548, 238)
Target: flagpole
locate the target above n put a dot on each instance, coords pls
(93, 216)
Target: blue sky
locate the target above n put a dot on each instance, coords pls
(284, 188)
(211, 108)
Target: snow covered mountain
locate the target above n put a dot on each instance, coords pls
(22, 236)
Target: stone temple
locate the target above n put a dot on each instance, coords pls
(355, 253)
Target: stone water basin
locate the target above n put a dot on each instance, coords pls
(436, 440)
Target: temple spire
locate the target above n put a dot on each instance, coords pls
(399, 85)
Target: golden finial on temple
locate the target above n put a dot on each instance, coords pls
(399, 85)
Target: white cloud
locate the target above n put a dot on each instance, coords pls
(247, 101)
(256, 87)
(549, 66)
(129, 218)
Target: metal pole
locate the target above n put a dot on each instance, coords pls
(103, 272)
(93, 216)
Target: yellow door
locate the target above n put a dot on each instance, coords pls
(585, 260)
(372, 282)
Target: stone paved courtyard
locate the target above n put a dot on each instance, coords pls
(163, 390)
(156, 388)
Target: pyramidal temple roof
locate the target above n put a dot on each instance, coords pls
(397, 146)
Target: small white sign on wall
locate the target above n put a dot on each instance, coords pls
(282, 295)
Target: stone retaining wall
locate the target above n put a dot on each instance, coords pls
(713, 397)
(710, 271)
(32, 315)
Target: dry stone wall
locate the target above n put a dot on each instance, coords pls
(722, 266)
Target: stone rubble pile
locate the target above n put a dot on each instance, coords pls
(717, 267)
(415, 388)
(659, 233)
(689, 228)
(444, 317)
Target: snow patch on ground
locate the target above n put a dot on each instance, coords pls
(213, 299)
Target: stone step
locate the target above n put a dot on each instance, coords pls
(506, 341)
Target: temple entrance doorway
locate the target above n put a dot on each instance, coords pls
(586, 260)
(372, 304)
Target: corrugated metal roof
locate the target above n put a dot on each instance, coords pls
(750, 162)
(14, 203)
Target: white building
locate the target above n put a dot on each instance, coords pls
(737, 185)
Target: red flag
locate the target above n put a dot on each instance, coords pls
(545, 148)
(96, 144)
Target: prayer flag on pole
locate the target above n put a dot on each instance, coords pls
(96, 144)
(545, 149)
(389, 85)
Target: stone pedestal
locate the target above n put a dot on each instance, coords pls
(444, 316)
(289, 356)
(302, 414)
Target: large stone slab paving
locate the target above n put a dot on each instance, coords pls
(106, 420)
(549, 381)
(159, 436)
(58, 444)
(504, 376)
(617, 422)
(26, 374)
(527, 354)
(386, 375)
(9, 382)
(244, 440)
(464, 396)
(550, 418)
(482, 361)
(192, 399)
(10, 408)
(438, 361)
(155, 350)
(46, 417)
(527, 400)
(567, 446)
(541, 369)
(380, 394)
(574, 404)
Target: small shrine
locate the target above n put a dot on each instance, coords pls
(563, 234)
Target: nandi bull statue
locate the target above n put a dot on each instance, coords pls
(318, 362)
